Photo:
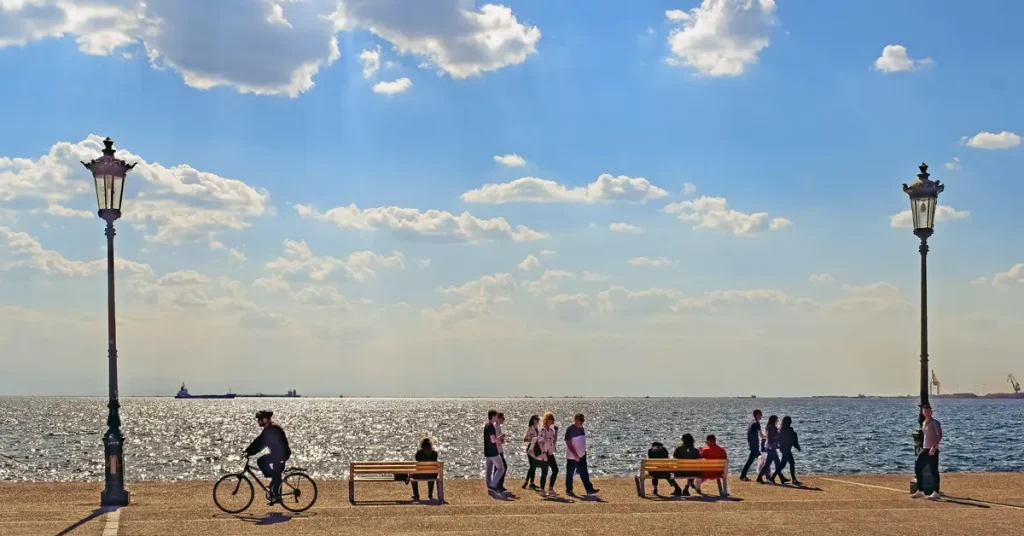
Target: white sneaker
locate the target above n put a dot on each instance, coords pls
(917, 495)
(935, 496)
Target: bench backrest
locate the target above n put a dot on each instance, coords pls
(392, 468)
(649, 465)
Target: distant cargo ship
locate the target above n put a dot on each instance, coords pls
(291, 394)
(183, 393)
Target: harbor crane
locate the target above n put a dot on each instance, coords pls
(935, 384)
(1016, 386)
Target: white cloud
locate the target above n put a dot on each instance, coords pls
(534, 190)
(430, 226)
(548, 282)
(28, 252)
(1012, 277)
(689, 188)
(479, 298)
(942, 213)
(571, 307)
(953, 164)
(979, 281)
(529, 263)
(878, 298)
(711, 301)
(894, 59)
(392, 88)
(594, 276)
(61, 210)
(640, 302)
(510, 160)
(371, 61)
(447, 34)
(619, 227)
(660, 262)
(822, 278)
(714, 213)
(232, 252)
(298, 260)
(547, 252)
(721, 37)
(988, 140)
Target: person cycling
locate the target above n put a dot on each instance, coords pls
(272, 465)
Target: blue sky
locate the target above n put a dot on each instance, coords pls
(813, 113)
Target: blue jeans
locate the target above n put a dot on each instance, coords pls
(577, 466)
(271, 468)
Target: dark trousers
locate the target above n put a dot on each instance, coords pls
(501, 483)
(416, 489)
(531, 473)
(787, 458)
(766, 469)
(577, 466)
(655, 477)
(550, 464)
(926, 459)
(271, 468)
(754, 455)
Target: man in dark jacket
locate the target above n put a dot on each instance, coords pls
(754, 437)
(658, 451)
(686, 451)
(274, 439)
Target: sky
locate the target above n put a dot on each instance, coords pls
(533, 197)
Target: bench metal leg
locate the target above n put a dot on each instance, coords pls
(725, 485)
(351, 491)
(440, 490)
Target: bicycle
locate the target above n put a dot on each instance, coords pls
(296, 486)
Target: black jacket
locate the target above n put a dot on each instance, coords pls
(788, 439)
(273, 438)
(686, 453)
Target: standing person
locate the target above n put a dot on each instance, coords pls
(494, 468)
(576, 456)
(273, 438)
(772, 451)
(686, 451)
(547, 436)
(533, 452)
(498, 421)
(754, 443)
(658, 451)
(787, 442)
(929, 453)
(425, 454)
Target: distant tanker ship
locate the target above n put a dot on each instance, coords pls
(183, 393)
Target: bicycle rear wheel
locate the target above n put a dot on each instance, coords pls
(298, 492)
(233, 493)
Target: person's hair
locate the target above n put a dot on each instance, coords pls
(425, 444)
(687, 440)
(548, 416)
(533, 420)
(579, 417)
(501, 415)
(491, 413)
(711, 438)
(787, 421)
(926, 406)
(757, 413)
(772, 420)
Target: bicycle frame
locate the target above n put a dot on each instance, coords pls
(251, 471)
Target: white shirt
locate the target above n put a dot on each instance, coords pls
(497, 434)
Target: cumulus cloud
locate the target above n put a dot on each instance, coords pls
(878, 298)
(689, 188)
(477, 298)
(392, 88)
(370, 59)
(988, 140)
(571, 307)
(529, 263)
(942, 213)
(620, 227)
(953, 164)
(822, 278)
(894, 59)
(534, 190)
(721, 37)
(430, 226)
(660, 262)
(510, 160)
(447, 34)
(1014, 277)
(548, 282)
(169, 204)
(297, 259)
(594, 276)
(714, 213)
(29, 253)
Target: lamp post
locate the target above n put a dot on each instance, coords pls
(924, 196)
(109, 174)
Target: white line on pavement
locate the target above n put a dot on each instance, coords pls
(113, 522)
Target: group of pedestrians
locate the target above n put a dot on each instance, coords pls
(772, 441)
(541, 441)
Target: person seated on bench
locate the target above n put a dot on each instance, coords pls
(658, 451)
(711, 451)
(425, 454)
(686, 451)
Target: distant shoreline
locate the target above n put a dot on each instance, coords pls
(953, 396)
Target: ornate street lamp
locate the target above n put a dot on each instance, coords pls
(924, 196)
(109, 174)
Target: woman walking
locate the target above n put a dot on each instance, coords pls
(533, 450)
(787, 442)
(548, 439)
(772, 451)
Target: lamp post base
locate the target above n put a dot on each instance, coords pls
(115, 497)
(918, 438)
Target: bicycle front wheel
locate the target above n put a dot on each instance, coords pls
(298, 492)
(233, 493)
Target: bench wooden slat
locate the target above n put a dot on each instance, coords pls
(362, 471)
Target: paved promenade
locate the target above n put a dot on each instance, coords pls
(977, 504)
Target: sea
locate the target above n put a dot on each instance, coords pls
(60, 439)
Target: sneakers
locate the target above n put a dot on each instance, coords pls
(935, 496)
(917, 494)
(593, 491)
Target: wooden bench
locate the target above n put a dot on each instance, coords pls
(689, 469)
(386, 472)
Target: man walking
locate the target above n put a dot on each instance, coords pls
(498, 421)
(576, 456)
(929, 455)
(495, 470)
(754, 442)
